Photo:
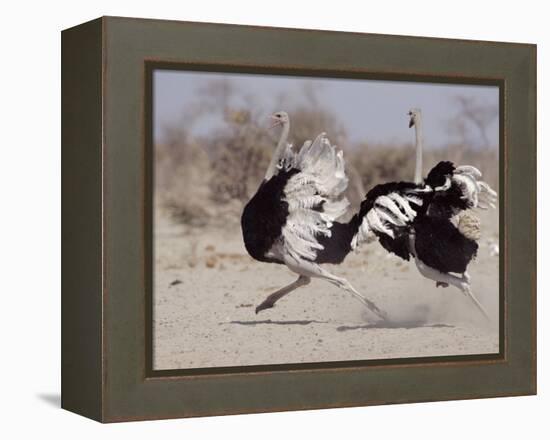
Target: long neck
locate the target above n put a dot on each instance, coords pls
(279, 152)
(419, 146)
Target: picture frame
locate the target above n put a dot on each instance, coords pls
(107, 372)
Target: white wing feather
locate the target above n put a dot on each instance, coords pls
(389, 213)
(314, 196)
(478, 193)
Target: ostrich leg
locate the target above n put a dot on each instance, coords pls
(462, 283)
(313, 270)
(270, 301)
(467, 291)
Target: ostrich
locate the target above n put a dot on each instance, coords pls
(291, 218)
(430, 220)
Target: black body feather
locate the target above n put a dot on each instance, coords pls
(338, 245)
(438, 174)
(438, 244)
(265, 215)
(398, 245)
(444, 204)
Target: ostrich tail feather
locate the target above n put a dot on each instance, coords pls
(469, 225)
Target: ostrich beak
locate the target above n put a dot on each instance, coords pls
(411, 122)
(274, 122)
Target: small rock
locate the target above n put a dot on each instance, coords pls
(211, 261)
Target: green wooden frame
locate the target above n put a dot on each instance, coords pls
(106, 209)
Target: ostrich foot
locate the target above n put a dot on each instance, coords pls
(265, 305)
(344, 284)
(270, 301)
(465, 287)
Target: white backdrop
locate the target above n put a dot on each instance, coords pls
(30, 218)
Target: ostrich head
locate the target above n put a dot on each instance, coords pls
(415, 114)
(280, 118)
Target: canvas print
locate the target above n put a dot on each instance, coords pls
(301, 220)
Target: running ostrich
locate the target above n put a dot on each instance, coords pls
(430, 220)
(291, 219)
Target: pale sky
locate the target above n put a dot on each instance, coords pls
(371, 110)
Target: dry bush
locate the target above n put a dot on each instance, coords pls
(307, 124)
(240, 156)
(471, 123)
(207, 180)
(382, 163)
(182, 174)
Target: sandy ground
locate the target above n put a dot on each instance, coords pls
(206, 288)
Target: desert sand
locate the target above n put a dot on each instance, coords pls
(206, 288)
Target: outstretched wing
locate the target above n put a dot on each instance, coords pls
(457, 189)
(389, 210)
(314, 196)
